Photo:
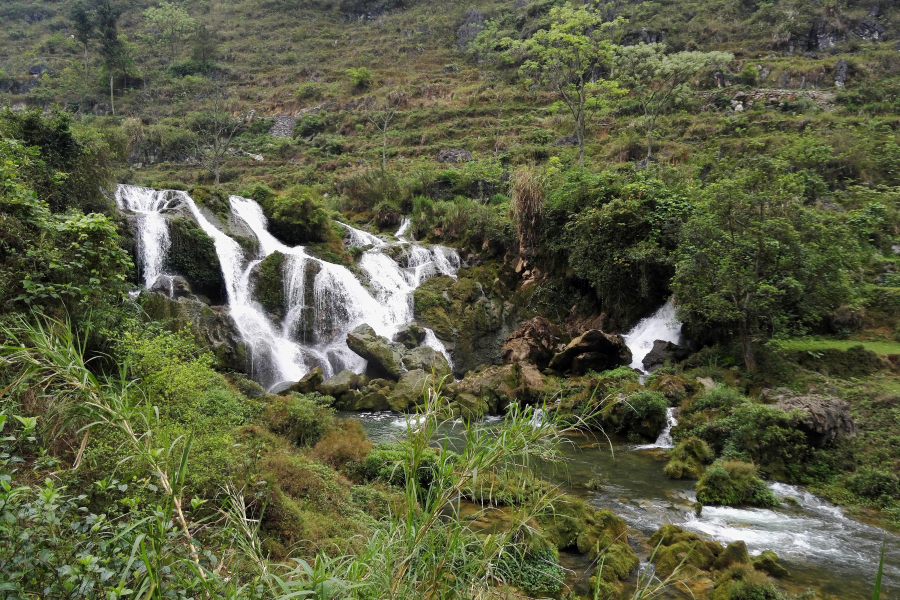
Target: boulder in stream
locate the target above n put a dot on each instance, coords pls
(534, 341)
(385, 357)
(663, 351)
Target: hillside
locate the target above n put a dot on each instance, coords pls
(400, 299)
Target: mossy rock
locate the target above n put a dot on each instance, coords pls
(735, 553)
(767, 562)
(734, 483)
(193, 256)
(471, 319)
(642, 412)
(673, 387)
(688, 459)
(741, 582)
(267, 280)
(675, 546)
(574, 524)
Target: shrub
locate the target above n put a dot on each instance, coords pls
(742, 582)
(309, 91)
(303, 419)
(297, 216)
(312, 124)
(536, 571)
(734, 483)
(875, 484)
(388, 462)
(345, 443)
(643, 413)
(360, 77)
(371, 189)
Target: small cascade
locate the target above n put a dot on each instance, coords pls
(404, 227)
(150, 227)
(664, 440)
(661, 325)
(324, 301)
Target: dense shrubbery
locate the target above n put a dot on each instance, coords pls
(734, 483)
(297, 216)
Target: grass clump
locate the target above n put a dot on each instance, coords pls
(302, 418)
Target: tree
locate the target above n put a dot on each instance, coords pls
(567, 58)
(170, 23)
(754, 259)
(84, 27)
(204, 50)
(656, 79)
(381, 119)
(214, 129)
(111, 46)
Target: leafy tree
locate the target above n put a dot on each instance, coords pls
(754, 259)
(170, 23)
(569, 58)
(657, 79)
(84, 27)
(361, 77)
(204, 50)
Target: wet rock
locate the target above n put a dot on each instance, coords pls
(494, 386)
(594, 350)
(454, 155)
(677, 548)
(308, 383)
(173, 286)
(663, 351)
(385, 358)
(471, 321)
(339, 384)
(374, 396)
(212, 327)
(534, 342)
(824, 419)
(410, 335)
(735, 553)
(410, 390)
(427, 359)
(768, 563)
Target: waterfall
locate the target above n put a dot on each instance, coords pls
(150, 226)
(324, 301)
(404, 225)
(664, 440)
(661, 325)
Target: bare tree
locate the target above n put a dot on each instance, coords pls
(381, 119)
(214, 129)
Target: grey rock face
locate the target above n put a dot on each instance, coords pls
(663, 351)
(534, 341)
(454, 155)
(824, 418)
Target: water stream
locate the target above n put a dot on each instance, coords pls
(310, 333)
(661, 325)
(825, 549)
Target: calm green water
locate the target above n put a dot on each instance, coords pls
(824, 548)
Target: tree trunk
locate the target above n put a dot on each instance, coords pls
(384, 150)
(216, 172)
(749, 359)
(580, 133)
(112, 97)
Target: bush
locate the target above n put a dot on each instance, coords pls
(297, 216)
(388, 462)
(643, 413)
(360, 77)
(875, 484)
(303, 419)
(371, 189)
(536, 571)
(734, 483)
(340, 446)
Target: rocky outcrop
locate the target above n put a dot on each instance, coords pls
(173, 286)
(385, 357)
(823, 419)
(535, 342)
(592, 350)
(309, 383)
(391, 360)
(491, 388)
(663, 351)
(473, 23)
(212, 326)
(410, 335)
(471, 319)
(454, 155)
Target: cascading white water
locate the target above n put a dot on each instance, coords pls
(151, 229)
(664, 440)
(661, 325)
(404, 226)
(324, 301)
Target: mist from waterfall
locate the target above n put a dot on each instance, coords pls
(324, 301)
